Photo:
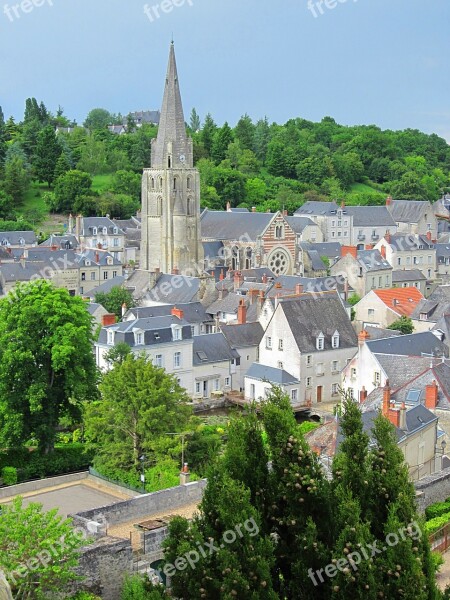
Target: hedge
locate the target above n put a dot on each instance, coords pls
(68, 458)
(437, 509)
(9, 475)
(434, 524)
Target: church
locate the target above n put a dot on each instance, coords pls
(171, 239)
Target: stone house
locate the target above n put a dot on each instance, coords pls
(364, 270)
(380, 308)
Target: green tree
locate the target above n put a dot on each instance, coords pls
(208, 132)
(93, 157)
(69, 188)
(409, 187)
(114, 300)
(127, 182)
(222, 139)
(7, 205)
(2, 138)
(62, 166)
(261, 139)
(244, 132)
(255, 191)
(98, 118)
(403, 324)
(47, 153)
(139, 404)
(194, 121)
(30, 536)
(46, 363)
(117, 354)
(16, 180)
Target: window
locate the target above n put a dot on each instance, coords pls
(177, 360)
(333, 234)
(216, 384)
(197, 387)
(335, 389)
(319, 370)
(116, 242)
(115, 230)
(227, 382)
(158, 360)
(280, 344)
(309, 360)
(423, 317)
(333, 223)
(188, 183)
(429, 260)
(371, 312)
(269, 343)
(176, 333)
(353, 373)
(294, 395)
(339, 233)
(408, 260)
(335, 340)
(399, 261)
(83, 276)
(152, 184)
(320, 341)
(280, 365)
(138, 338)
(105, 275)
(114, 273)
(111, 337)
(94, 232)
(377, 378)
(308, 381)
(105, 231)
(93, 276)
(335, 366)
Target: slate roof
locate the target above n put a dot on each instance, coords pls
(414, 344)
(224, 225)
(371, 260)
(317, 208)
(331, 250)
(400, 369)
(194, 312)
(12, 272)
(239, 210)
(310, 284)
(229, 305)
(243, 336)
(106, 286)
(370, 216)
(308, 315)
(401, 300)
(13, 238)
(65, 242)
(174, 291)
(404, 276)
(88, 224)
(299, 223)
(211, 250)
(408, 211)
(270, 374)
(408, 242)
(378, 332)
(145, 116)
(442, 252)
(157, 331)
(93, 307)
(212, 348)
(317, 263)
(436, 305)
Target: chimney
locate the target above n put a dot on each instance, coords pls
(70, 223)
(221, 276)
(175, 271)
(177, 312)
(53, 247)
(363, 336)
(394, 415)
(185, 475)
(222, 293)
(108, 319)
(387, 236)
(264, 278)
(261, 299)
(429, 236)
(242, 313)
(253, 208)
(78, 226)
(124, 309)
(99, 246)
(97, 257)
(343, 204)
(386, 399)
(349, 250)
(298, 289)
(402, 423)
(22, 260)
(346, 286)
(238, 280)
(383, 251)
(431, 395)
(253, 295)
(228, 207)
(389, 201)
(285, 213)
(362, 395)
(370, 246)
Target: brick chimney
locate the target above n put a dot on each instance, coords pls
(343, 204)
(383, 251)
(221, 276)
(362, 395)
(99, 246)
(264, 278)
(429, 236)
(261, 298)
(370, 246)
(242, 313)
(387, 236)
(70, 223)
(394, 415)
(389, 201)
(298, 289)
(185, 475)
(363, 336)
(253, 295)
(238, 280)
(124, 309)
(285, 213)
(175, 271)
(386, 398)
(97, 257)
(431, 395)
(253, 208)
(108, 319)
(177, 312)
(349, 250)
(402, 423)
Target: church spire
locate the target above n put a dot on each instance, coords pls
(172, 147)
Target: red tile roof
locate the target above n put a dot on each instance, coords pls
(403, 301)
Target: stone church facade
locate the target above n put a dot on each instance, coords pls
(171, 192)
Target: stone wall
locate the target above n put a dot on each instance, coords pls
(40, 484)
(145, 505)
(433, 488)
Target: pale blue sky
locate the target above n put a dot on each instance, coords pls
(366, 61)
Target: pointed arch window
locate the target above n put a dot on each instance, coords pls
(160, 183)
(190, 206)
(189, 183)
(235, 258)
(248, 258)
(159, 206)
(152, 183)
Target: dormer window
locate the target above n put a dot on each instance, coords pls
(320, 341)
(5, 242)
(335, 340)
(94, 231)
(138, 338)
(87, 263)
(115, 230)
(111, 334)
(176, 334)
(22, 242)
(105, 231)
(109, 260)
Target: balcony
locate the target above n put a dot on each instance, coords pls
(361, 237)
(375, 236)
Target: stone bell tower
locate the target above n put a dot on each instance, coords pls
(171, 192)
